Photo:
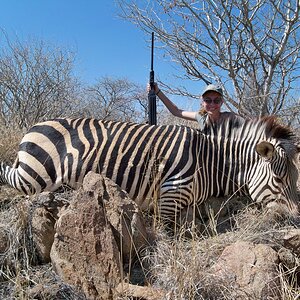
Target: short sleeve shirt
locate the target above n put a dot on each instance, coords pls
(204, 121)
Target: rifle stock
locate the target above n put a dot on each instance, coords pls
(151, 94)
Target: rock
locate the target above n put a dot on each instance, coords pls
(251, 269)
(129, 291)
(55, 202)
(52, 290)
(122, 213)
(4, 240)
(292, 241)
(42, 224)
(287, 258)
(84, 252)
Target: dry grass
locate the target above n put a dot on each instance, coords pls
(182, 267)
(178, 265)
(9, 142)
(21, 274)
(18, 254)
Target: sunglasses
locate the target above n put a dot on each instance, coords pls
(215, 101)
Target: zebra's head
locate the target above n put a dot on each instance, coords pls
(274, 175)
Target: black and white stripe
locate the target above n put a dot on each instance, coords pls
(174, 164)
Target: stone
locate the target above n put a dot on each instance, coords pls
(84, 253)
(4, 240)
(292, 241)
(129, 291)
(122, 213)
(251, 269)
(287, 258)
(42, 224)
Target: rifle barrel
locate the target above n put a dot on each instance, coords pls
(151, 94)
(152, 47)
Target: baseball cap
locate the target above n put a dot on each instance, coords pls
(213, 87)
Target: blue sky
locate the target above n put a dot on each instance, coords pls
(105, 44)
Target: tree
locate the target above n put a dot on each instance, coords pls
(250, 47)
(36, 83)
(116, 99)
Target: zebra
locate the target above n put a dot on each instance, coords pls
(176, 166)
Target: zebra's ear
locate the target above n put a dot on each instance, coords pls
(265, 149)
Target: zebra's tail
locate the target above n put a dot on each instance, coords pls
(10, 175)
(4, 170)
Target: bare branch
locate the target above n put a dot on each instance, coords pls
(250, 47)
(35, 82)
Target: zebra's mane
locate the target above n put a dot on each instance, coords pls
(276, 130)
(266, 127)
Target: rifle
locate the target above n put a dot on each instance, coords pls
(151, 94)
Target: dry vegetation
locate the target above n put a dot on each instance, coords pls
(9, 141)
(21, 274)
(180, 266)
(184, 267)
